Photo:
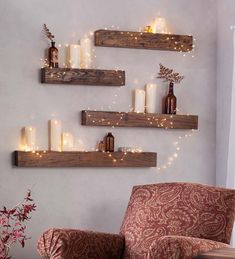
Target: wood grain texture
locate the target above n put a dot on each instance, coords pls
(72, 76)
(221, 253)
(143, 40)
(148, 120)
(84, 159)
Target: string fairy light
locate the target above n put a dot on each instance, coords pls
(172, 158)
(162, 123)
(178, 46)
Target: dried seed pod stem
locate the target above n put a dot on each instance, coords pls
(47, 32)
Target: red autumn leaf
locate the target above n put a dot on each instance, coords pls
(12, 211)
(22, 242)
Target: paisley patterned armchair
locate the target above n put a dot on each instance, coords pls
(162, 221)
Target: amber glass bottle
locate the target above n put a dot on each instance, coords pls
(101, 146)
(109, 143)
(53, 56)
(170, 101)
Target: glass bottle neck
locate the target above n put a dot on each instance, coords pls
(53, 44)
(171, 88)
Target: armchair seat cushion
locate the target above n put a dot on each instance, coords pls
(181, 247)
(77, 244)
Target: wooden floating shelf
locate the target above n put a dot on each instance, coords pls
(143, 40)
(84, 159)
(74, 76)
(131, 119)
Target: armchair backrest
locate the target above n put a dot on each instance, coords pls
(183, 209)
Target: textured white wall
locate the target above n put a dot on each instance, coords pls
(226, 18)
(96, 198)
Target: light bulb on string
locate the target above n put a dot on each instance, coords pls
(114, 101)
(175, 155)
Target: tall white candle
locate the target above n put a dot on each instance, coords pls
(86, 53)
(29, 138)
(55, 135)
(67, 141)
(151, 98)
(139, 101)
(74, 55)
(159, 25)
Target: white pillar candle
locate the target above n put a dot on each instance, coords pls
(159, 25)
(29, 138)
(67, 141)
(79, 145)
(139, 101)
(55, 135)
(74, 55)
(151, 95)
(86, 53)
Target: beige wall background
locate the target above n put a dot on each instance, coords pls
(97, 198)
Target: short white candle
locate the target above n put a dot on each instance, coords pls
(159, 25)
(74, 52)
(55, 135)
(151, 92)
(139, 101)
(79, 145)
(29, 138)
(86, 53)
(67, 141)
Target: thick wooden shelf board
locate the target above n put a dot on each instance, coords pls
(143, 40)
(74, 76)
(131, 119)
(84, 159)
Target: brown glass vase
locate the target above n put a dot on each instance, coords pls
(53, 54)
(109, 143)
(170, 101)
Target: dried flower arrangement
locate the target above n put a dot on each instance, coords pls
(47, 32)
(12, 225)
(168, 75)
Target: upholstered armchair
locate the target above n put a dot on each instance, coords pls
(162, 221)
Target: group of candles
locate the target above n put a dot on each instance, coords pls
(64, 141)
(146, 100)
(158, 26)
(80, 55)
(58, 140)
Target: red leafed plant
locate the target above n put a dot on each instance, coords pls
(12, 225)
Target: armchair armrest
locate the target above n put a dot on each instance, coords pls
(78, 244)
(182, 247)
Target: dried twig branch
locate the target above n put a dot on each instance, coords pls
(47, 32)
(167, 74)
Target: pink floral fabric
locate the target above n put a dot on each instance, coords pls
(76, 244)
(176, 209)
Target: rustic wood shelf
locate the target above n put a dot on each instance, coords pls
(74, 76)
(84, 159)
(143, 40)
(131, 119)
